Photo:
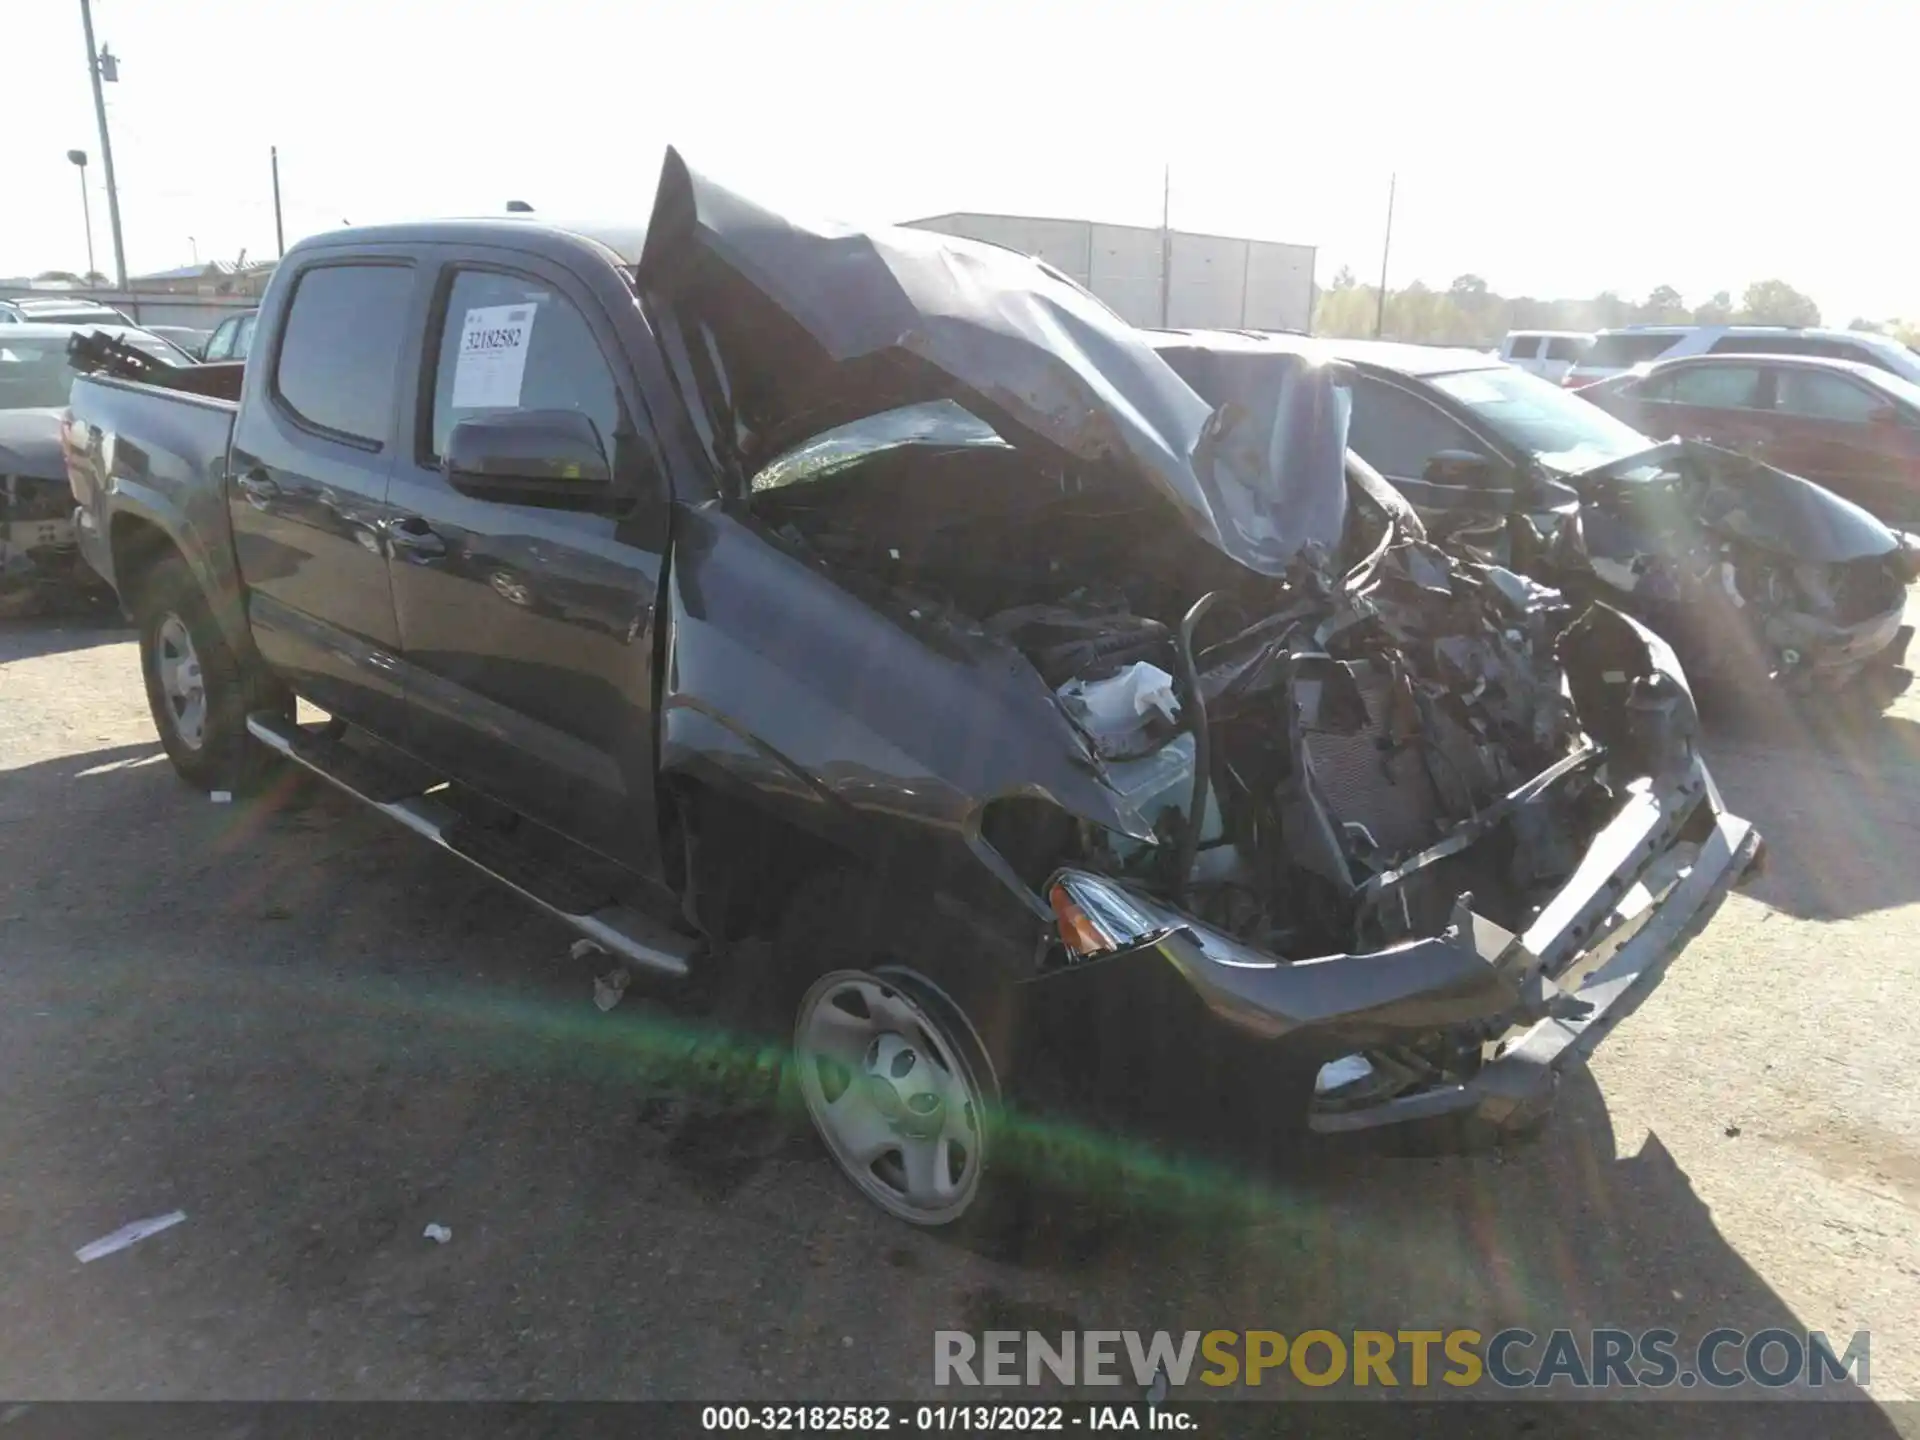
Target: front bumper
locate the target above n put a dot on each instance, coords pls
(1648, 933)
(34, 515)
(1822, 655)
(1543, 999)
(1799, 652)
(44, 563)
(36, 540)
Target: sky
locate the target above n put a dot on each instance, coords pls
(1556, 148)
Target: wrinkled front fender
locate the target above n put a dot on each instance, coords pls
(849, 716)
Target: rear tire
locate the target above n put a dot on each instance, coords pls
(199, 692)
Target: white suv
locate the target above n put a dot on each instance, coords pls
(1549, 354)
(1617, 350)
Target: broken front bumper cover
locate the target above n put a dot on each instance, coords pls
(1593, 953)
(1830, 654)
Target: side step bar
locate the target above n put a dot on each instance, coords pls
(634, 937)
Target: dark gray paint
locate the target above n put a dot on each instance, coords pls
(520, 652)
(813, 321)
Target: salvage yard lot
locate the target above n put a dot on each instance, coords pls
(316, 1035)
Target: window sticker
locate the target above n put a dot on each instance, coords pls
(492, 360)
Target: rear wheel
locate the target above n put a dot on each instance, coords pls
(198, 690)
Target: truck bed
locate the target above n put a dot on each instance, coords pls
(98, 353)
(154, 451)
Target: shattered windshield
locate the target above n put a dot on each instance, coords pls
(1560, 430)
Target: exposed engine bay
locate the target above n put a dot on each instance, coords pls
(1305, 751)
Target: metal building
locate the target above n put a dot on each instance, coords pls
(1210, 281)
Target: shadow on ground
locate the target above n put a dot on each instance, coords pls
(316, 1036)
(30, 639)
(1838, 801)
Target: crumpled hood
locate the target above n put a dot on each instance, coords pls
(30, 444)
(1755, 502)
(815, 324)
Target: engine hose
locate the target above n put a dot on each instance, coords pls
(1189, 849)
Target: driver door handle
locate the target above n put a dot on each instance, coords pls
(414, 538)
(259, 488)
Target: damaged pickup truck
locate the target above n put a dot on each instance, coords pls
(1751, 573)
(885, 595)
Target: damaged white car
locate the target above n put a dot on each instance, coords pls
(1750, 572)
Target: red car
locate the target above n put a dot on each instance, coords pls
(1850, 427)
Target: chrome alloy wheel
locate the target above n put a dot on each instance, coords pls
(178, 670)
(892, 1093)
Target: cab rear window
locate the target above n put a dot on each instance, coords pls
(341, 346)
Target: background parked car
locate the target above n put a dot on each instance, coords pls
(58, 310)
(1617, 351)
(188, 338)
(1853, 428)
(38, 556)
(1550, 354)
(231, 338)
(1746, 569)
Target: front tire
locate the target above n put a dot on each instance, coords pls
(885, 1070)
(197, 690)
(894, 1074)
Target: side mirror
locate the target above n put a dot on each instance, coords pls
(1884, 415)
(552, 458)
(1462, 469)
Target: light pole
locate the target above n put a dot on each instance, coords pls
(1166, 244)
(194, 246)
(1386, 247)
(279, 230)
(79, 158)
(104, 65)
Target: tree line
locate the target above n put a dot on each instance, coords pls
(1467, 312)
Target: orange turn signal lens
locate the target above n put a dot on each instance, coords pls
(1077, 932)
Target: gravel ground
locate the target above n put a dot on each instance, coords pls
(316, 1036)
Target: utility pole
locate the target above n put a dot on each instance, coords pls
(1166, 245)
(279, 230)
(1380, 315)
(101, 65)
